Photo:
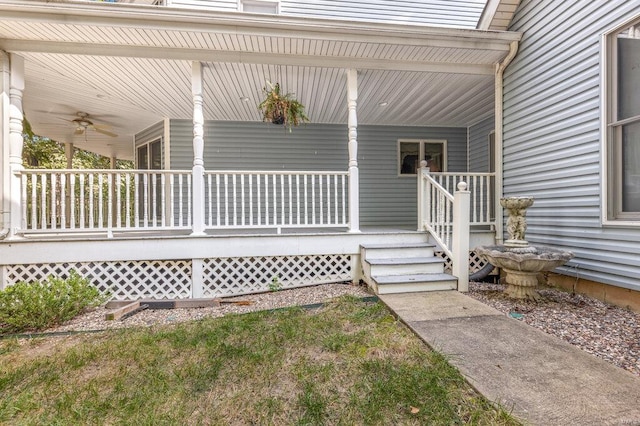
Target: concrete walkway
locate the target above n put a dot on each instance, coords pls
(539, 378)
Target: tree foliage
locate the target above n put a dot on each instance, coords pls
(43, 153)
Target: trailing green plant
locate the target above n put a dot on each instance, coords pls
(281, 108)
(275, 284)
(32, 306)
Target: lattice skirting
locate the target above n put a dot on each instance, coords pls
(240, 275)
(475, 262)
(128, 280)
(172, 279)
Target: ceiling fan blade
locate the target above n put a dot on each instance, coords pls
(104, 132)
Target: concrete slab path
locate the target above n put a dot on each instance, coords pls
(540, 378)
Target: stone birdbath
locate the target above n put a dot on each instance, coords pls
(520, 261)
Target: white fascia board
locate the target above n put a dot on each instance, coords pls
(489, 12)
(181, 19)
(240, 57)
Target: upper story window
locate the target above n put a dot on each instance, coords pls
(259, 6)
(622, 122)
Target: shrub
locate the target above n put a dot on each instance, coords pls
(39, 305)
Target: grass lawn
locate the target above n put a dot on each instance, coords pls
(348, 363)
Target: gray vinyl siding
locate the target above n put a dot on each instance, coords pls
(424, 12)
(385, 198)
(479, 145)
(552, 135)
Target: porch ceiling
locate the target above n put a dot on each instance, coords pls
(129, 66)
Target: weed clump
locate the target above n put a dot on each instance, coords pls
(37, 305)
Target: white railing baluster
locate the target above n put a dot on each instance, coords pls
(189, 200)
(109, 201)
(217, 200)
(250, 199)
(290, 203)
(54, 192)
(258, 203)
(321, 199)
(313, 199)
(242, 198)
(306, 201)
(344, 201)
(72, 200)
(275, 201)
(145, 197)
(137, 200)
(297, 199)
(234, 191)
(163, 202)
(118, 200)
(34, 210)
(282, 210)
(266, 199)
(226, 199)
(127, 202)
(328, 199)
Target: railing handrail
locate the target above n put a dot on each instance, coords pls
(104, 171)
(442, 238)
(275, 172)
(490, 174)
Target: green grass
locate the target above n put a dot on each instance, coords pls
(348, 363)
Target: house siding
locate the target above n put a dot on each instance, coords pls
(424, 12)
(552, 140)
(150, 134)
(479, 145)
(385, 198)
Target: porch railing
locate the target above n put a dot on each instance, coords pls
(268, 199)
(125, 200)
(105, 200)
(482, 189)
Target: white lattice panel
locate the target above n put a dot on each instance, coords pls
(475, 262)
(128, 280)
(242, 275)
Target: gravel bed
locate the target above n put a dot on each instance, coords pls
(606, 331)
(95, 319)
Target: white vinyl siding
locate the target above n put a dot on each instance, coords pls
(443, 13)
(552, 129)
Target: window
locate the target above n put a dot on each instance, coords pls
(622, 123)
(434, 152)
(259, 6)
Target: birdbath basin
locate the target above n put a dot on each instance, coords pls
(522, 268)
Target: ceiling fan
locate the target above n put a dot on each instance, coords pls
(82, 123)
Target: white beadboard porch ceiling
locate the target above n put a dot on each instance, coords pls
(129, 66)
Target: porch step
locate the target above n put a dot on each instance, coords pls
(404, 268)
(413, 283)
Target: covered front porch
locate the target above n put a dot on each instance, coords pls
(177, 92)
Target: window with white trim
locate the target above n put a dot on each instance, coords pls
(259, 6)
(411, 151)
(622, 121)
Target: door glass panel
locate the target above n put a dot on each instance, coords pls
(434, 156)
(156, 156)
(409, 154)
(143, 158)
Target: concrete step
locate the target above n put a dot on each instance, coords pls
(402, 266)
(381, 251)
(410, 283)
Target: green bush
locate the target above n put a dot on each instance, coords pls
(39, 305)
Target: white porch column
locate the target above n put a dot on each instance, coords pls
(354, 177)
(5, 175)
(198, 150)
(16, 142)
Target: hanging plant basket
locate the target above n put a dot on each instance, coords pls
(281, 109)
